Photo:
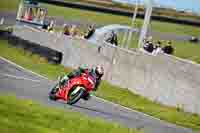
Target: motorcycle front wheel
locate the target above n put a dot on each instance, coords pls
(75, 94)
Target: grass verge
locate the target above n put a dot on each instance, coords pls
(22, 116)
(106, 91)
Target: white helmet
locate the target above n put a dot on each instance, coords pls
(99, 71)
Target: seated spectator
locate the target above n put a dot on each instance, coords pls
(112, 39)
(157, 48)
(148, 46)
(73, 30)
(168, 49)
(66, 30)
(194, 39)
(41, 16)
(90, 32)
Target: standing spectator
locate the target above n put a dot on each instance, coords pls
(90, 32)
(29, 14)
(51, 26)
(42, 16)
(112, 39)
(168, 49)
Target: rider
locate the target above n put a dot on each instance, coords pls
(96, 72)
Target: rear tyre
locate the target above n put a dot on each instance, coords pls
(75, 97)
(52, 93)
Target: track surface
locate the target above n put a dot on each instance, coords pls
(24, 84)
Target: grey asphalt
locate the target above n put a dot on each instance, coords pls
(23, 84)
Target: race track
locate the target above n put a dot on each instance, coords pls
(24, 84)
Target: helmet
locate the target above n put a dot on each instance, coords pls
(99, 71)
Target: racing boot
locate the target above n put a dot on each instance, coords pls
(86, 96)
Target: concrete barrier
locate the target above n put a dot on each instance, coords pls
(162, 78)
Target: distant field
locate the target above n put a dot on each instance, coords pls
(187, 50)
(157, 11)
(103, 19)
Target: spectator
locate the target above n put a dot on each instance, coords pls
(51, 26)
(112, 39)
(73, 30)
(157, 48)
(42, 16)
(194, 39)
(66, 30)
(168, 49)
(2, 21)
(90, 32)
(29, 14)
(148, 46)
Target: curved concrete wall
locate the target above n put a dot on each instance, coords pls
(165, 79)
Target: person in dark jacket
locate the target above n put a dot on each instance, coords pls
(90, 32)
(113, 39)
(168, 49)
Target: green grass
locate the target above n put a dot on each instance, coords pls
(187, 50)
(124, 97)
(9, 5)
(103, 19)
(106, 91)
(37, 63)
(22, 116)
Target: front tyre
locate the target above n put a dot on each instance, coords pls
(75, 94)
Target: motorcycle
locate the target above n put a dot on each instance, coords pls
(75, 89)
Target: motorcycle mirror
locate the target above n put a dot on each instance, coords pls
(59, 78)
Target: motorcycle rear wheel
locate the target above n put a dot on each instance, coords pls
(52, 93)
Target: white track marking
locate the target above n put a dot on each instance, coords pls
(20, 67)
(17, 77)
(129, 109)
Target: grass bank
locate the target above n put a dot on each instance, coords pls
(112, 93)
(22, 116)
